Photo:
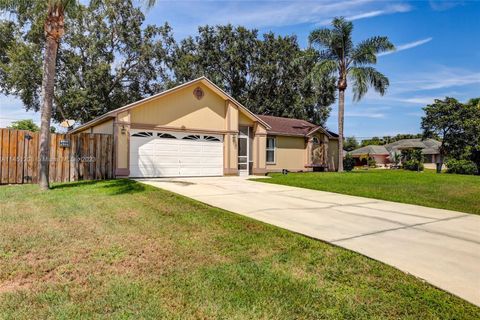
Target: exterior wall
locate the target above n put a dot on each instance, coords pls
(122, 143)
(243, 120)
(259, 150)
(182, 110)
(381, 159)
(333, 154)
(230, 160)
(104, 127)
(290, 154)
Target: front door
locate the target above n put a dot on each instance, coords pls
(243, 151)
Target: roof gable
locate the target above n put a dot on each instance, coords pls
(202, 80)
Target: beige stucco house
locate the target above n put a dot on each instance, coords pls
(196, 129)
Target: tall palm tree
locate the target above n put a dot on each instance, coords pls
(52, 13)
(340, 57)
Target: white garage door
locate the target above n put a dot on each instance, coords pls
(173, 154)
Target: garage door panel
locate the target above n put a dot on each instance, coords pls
(154, 156)
(155, 160)
(154, 171)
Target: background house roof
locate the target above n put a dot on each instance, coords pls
(371, 150)
(289, 126)
(428, 146)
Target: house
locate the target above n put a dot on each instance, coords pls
(197, 129)
(385, 154)
(430, 148)
(379, 153)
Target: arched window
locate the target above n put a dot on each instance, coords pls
(143, 134)
(166, 136)
(192, 137)
(210, 138)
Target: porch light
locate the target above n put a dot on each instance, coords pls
(123, 130)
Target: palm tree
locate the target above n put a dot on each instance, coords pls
(53, 14)
(340, 57)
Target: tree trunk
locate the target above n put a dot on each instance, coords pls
(48, 81)
(341, 112)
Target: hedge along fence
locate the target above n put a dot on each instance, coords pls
(81, 156)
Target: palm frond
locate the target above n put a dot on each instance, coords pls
(366, 51)
(321, 38)
(325, 68)
(365, 77)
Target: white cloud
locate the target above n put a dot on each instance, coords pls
(407, 46)
(440, 78)
(365, 115)
(185, 16)
(419, 100)
(388, 9)
(441, 5)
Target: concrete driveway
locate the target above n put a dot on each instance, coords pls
(439, 246)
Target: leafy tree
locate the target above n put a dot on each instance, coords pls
(49, 16)
(100, 66)
(26, 124)
(376, 141)
(340, 57)
(270, 76)
(43, 23)
(456, 124)
(350, 144)
(389, 139)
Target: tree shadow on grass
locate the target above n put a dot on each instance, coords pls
(122, 186)
(113, 187)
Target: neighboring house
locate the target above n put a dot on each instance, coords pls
(379, 153)
(430, 148)
(385, 154)
(196, 129)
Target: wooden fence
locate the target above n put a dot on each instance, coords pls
(82, 156)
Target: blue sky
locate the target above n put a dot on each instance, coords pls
(438, 52)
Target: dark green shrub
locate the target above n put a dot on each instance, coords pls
(413, 165)
(348, 162)
(461, 166)
(372, 163)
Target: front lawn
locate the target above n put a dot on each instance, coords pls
(121, 249)
(445, 191)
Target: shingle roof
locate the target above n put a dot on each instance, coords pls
(289, 126)
(371, 150)
(428, 146)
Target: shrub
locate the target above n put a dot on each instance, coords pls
(348, 162)
(413, 165)
(461, 166)
(372, 163)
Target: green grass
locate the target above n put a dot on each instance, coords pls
(119, 249)
(445, 191)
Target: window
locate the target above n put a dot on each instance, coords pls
(210, 138)
(315, 140)
(192, 137)
(271, 145)
(143, 134)
(166, 136)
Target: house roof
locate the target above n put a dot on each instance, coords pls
(204, 80)
(371, 150)
(428, 146)
(293, 127)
